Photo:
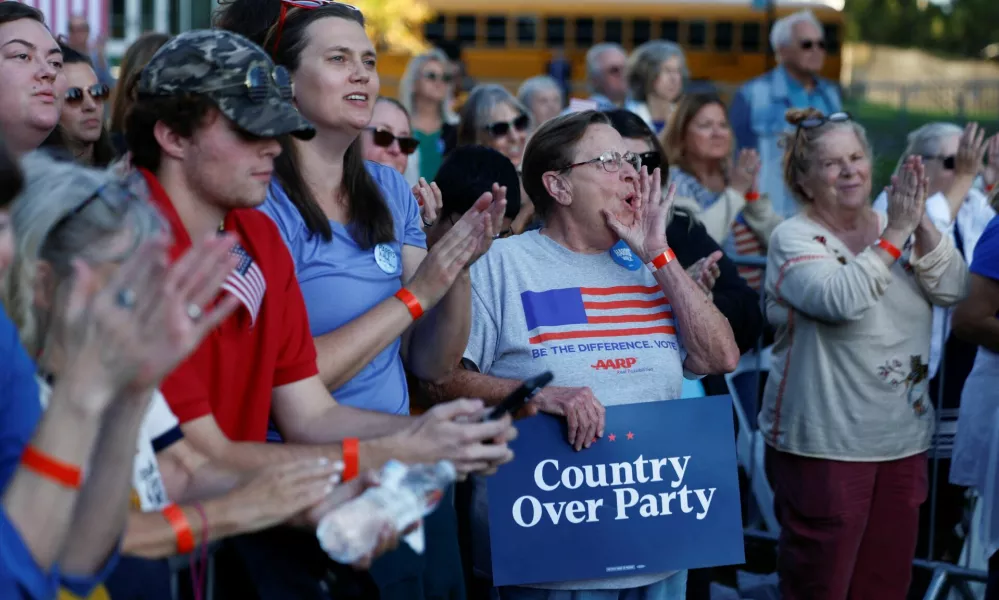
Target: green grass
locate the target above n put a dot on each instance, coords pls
(887, 128)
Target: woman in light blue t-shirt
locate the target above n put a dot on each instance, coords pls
(354, 232)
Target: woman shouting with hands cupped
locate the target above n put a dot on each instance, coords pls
(848, 426)
(590, 193)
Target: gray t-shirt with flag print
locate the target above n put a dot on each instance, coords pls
(589, 319)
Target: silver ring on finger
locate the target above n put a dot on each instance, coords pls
(426, 222)
(125, 298)
(194, 312)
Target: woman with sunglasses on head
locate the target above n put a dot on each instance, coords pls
(720, 191)
(427, 92)
(846, 414)
(81, 128)
(493, 118)
(354, 232)
(388, 141)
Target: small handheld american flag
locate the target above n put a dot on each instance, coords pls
(246, 282)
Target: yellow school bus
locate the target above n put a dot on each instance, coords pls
(507, 41)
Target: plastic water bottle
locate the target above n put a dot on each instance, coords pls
(406, 494)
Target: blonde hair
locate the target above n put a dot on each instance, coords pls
(57, 219)
(412, 74)
(800, 146)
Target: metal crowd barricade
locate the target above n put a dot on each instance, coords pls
(948, 580)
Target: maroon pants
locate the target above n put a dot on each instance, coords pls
(848, 529)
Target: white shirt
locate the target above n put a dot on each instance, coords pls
(146, 480)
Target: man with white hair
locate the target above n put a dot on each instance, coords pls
(757, 112)
(605, 66)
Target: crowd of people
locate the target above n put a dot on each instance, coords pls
(237, 281)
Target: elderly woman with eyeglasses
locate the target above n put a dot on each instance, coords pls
(591, 191)
(845, 413)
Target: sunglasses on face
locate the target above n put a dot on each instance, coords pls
(651, 160)
(948, 162)
(615, 70)
(384, 139)
(435, 76)
(501, 128)
(304, 5)
(99, 92)
(809, 44)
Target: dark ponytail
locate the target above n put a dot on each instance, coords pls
(370, 220)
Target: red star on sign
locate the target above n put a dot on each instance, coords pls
(612, 437)
(631, 435)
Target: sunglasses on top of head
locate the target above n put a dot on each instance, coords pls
(501, 128)
(809, 44)
(305, 5)
(99, 92)
(384, 139)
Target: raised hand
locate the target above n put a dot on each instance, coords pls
(907, 198)
(743, 175)
(705, 271)
(646, 235)
(494, 213)
(446, 259)
(429, 197)
(970, 151)
(148, 318)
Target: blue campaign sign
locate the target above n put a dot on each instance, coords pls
(659, 492)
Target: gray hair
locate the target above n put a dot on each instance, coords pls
(801, 145)
(53, 222)
(412, 74)
(783, 32)
(534, 85)
(593, 59)
(925, 141)
(645, 63)
(478, 110)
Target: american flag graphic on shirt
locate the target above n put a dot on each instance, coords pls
(597, 312)
(246, 282)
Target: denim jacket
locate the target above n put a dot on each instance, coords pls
(757, 118)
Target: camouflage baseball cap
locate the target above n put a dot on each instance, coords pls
(235, 73)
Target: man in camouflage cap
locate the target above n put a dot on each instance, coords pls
(235, 73)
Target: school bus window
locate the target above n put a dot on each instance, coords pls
(466, 29)
(832, 38)
(671, 31)
(751, 37)
(496, 31)
(584, 33)
(697, 35)
(614, 31)
(434, 30)
(555, 31)
(641, 31)
(723, 36)
(527, 30)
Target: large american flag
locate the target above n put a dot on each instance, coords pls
(246, 282)
(58, 12)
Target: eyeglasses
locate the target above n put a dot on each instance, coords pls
(258, 82)
(384, 139)
(651, 160)
(949, 162)
(501, 128)
(614, 70)
(611, 161)
(305, 5)
(435, 76)
(99, 92)
(809, 44)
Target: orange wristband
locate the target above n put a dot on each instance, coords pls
(661, 261)
(411, 303)
(181, 528)
(351, 459)
(53, 469)
(890, 248)
(989, 188)
(752, 196)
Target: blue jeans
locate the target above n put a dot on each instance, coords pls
(672, 588)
